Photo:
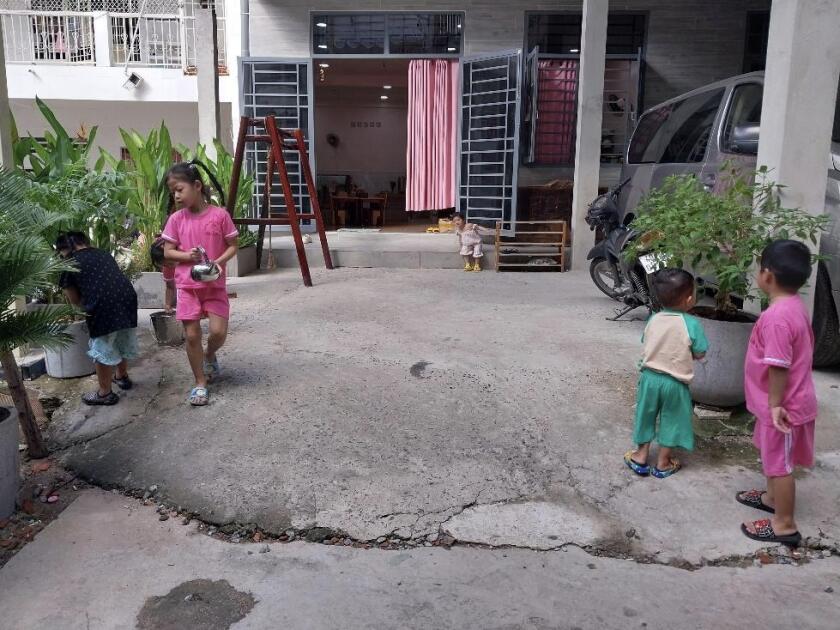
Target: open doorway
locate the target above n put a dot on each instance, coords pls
(363, 149)
(361, 110)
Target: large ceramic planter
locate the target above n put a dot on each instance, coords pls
(243, 263)
(150, 289)
(71, 361)
(719, 378)
(9, 475)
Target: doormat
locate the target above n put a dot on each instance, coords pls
(359, 230)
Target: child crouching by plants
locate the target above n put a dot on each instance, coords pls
(199, 227)
(105, 294)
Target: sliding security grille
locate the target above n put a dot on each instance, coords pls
(489, 146)
(280, 88)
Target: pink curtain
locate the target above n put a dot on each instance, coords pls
(432, 128)
(557, 104)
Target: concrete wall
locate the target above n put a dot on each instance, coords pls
(373, 155)
(181, 119)
(688, 43)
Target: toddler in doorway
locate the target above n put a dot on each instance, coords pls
(672, 341)
(780, 391)
(469, 238)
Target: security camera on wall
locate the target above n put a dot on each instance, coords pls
(133, 81)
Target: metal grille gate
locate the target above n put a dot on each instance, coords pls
(489, 150)
(278, 88)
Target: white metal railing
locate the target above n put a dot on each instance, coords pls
(41, 37)
(157, 42)
(165, 33)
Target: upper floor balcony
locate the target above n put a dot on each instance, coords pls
(130, 33)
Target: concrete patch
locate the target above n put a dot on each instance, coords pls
(537, 525)
(196, 604)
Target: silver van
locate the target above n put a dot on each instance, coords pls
(699, 131)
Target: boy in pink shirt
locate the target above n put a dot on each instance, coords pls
(780, 391)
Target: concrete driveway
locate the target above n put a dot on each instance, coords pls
(494, 407)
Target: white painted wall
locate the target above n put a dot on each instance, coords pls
(373, 155)
(181, 119)
(84, 83)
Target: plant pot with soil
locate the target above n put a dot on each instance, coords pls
(71, 360)
(719, 237)
(245, 261)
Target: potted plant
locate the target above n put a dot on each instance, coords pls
(27, 264)
(719, 237)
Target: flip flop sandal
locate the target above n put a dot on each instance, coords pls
(199, 396)
(752, 498)
(667, 472)
(124, 383)
(93, 398)
(643, 470)
(764, 533)
(211, 369)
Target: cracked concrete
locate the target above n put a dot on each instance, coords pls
(383, 402)
(108, 556)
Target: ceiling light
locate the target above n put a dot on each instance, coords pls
(323, 65)
(458, 25)
(384, 97)
(386, 87)
(321, 24)
(322, 46)
(451, 49)
(574, 50)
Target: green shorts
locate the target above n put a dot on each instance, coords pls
(664, 397)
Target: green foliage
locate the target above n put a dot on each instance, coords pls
(247, 238)
(222, 169)
(86, 201)
(27, 265)
(58, 152)
(719, 235)
(147, 197)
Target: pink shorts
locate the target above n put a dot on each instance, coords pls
(781, 452)
(193, 304)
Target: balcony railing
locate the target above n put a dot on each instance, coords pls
(161, 40)
(36, 37)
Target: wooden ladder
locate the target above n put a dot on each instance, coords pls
(279, 141)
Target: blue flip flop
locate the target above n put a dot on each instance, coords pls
(643, 470)
(667, 472)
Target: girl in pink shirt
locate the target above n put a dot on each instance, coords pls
(198, 224)
(780, 391)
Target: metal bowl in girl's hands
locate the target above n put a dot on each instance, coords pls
(205, 271)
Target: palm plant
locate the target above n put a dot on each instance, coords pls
(27, 264)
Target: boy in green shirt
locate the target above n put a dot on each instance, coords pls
(672, 341)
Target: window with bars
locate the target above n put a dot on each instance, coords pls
(551, 109)
(381, 33)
